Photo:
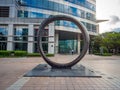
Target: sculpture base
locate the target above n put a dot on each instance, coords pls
(43, 70)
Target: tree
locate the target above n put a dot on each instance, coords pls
(97, 43)
(110, 40)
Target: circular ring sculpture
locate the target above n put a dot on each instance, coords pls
(85, 39)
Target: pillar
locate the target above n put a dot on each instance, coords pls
(78, 43)
(51, 40)
(13, 11)
(10, 37)
(56, 43)
(30, 38)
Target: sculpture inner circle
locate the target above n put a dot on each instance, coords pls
(85, 39)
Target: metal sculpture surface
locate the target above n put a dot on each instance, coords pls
(83, 32)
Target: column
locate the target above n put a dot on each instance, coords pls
(30, 38)
(12, 12)
(10, 37)
(56, 43)
(78, 43)
(51, 38)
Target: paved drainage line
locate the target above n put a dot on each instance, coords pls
(19, 83)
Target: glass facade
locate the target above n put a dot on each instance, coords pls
(20, 46)
(50, 5)
(63, 8)
(83, 10)
(20, 38)
(83, 3)
(21, 34)
(65, 23)
(26, 14)
(66, 46)
(3, 34)
(44, 39)
(3, 38)
(53, 6)
(73, 11)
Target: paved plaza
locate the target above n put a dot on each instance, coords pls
(13, 69)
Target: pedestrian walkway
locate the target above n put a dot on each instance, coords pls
(13, 69)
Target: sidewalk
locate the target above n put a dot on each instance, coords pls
(13, 69)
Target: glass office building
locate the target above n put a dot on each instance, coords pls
(20, 20)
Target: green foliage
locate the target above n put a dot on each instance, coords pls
(109, 41)
(33, 55)
(105, 50)
(49, 55)
(20, 53)
(97, 43)
(104, 54)
(5, 53)
(38, 55)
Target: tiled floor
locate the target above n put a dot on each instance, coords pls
(12, 70)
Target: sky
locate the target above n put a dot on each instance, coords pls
(108, 10)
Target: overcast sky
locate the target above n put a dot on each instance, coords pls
(108, 9)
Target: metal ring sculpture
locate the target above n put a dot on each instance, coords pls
(85, 38)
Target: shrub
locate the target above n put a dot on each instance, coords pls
(95, 51)
(33, 55)
(5, 53)
(105, 50)
(49, 55)
(104, 54)
(38, 55)
(20, 53)
(107, 54)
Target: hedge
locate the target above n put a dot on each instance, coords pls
(38, 55)
(104, 54)
(33, 55)
(20, 53)
(49, 55)
(5, 53)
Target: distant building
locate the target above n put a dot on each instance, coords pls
(20, 20)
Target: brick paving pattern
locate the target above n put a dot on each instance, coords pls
(13, 69)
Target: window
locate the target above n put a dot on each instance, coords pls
(88, 16)
(20, 46)
(3, 38)
(65, 46)
(49, 5)
(83, 3)
(80, 13)
(93, 28)
(44, 45)
(4, 11)
(88, 25)
(21, 34)
(3, 34)
(22, 13)
(73, 11)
